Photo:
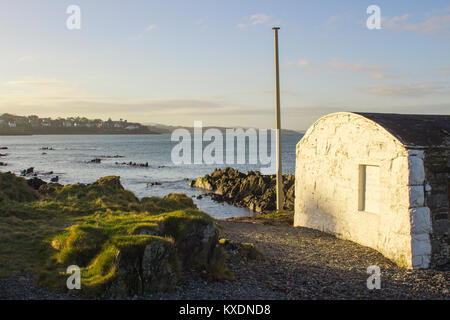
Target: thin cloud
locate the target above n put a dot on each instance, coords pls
(382, 75)
(332, 20)
(151, 27)
(201, 23)
(354, 66)
(409, 89)
(35, 83)
(376, 72)
(257, 19)
(260, 18)
(433, 23)
(302, 63)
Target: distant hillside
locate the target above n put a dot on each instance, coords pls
(161, 128)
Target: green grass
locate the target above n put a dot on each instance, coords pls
(15, 189)
(84, 225)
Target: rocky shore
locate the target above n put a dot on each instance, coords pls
(251, 189)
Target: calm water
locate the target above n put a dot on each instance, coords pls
(71, 155)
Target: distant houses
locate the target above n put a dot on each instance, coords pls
(12, 124)
(132, 127)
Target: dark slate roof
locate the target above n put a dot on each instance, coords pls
(414, 129)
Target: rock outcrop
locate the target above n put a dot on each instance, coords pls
(131, 247)
(252, 190)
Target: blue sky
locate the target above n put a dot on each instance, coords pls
(174, 62)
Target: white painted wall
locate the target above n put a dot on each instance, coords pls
(328, 185)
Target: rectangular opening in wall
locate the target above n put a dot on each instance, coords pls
(369, 188)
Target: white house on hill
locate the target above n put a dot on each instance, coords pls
(381, 180)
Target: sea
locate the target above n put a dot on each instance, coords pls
(69, 157)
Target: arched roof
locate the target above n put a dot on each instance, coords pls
(414, 129)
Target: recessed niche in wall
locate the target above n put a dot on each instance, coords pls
(369, 188)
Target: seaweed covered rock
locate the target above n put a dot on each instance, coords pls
(252, 190)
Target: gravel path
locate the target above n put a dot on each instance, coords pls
(300, 264)
(21, 287)
(308, 264)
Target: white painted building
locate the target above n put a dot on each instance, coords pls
(380, 180)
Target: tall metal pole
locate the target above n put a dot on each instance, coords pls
(280, 199)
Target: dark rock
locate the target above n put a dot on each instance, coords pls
(27, 171)
(3, 164)
(36, 183)
(252, 190)
(196, 243)
(54, 179)
(96, 160)
(151, 184)
(133, 164)
(159, 272)
(111, 157)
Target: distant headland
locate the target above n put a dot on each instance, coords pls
(29, 125)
